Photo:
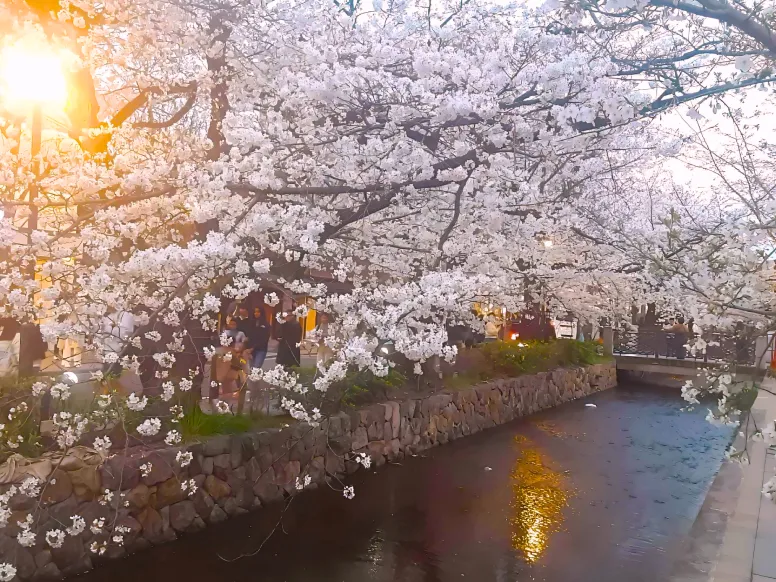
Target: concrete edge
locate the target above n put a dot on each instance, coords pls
(723, 543)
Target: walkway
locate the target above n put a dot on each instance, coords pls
(679, 368)
(734, 537)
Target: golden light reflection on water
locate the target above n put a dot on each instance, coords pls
(550, 428)
(539, 496)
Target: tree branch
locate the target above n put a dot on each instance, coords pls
(175, 118)
(725, 13)
(453, 221)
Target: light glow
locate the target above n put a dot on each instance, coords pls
(31, 75)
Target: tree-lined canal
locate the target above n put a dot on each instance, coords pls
(575, 493)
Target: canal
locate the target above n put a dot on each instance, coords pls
(576, 493)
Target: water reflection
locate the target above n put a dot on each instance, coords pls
(539, 496)
(640, 470)
(550, 428)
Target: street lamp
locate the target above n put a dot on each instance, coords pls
(32, 77)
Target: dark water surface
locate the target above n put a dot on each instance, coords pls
(574, 494)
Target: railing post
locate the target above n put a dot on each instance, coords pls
(608, 337)
(761, 359)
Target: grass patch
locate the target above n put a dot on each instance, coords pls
(463, 380)
(198, 424)
(259, 421)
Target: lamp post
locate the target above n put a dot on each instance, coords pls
(36, 135)
(29, 338)
(32, 75)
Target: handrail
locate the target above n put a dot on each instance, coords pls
(670, 345)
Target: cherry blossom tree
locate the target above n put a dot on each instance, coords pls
(209, 150)
(226, 152)
(688, 52)
(425, 154)
(706, 250)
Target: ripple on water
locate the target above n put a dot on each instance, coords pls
(574, 494)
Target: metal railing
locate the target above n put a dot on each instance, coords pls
(664, 344)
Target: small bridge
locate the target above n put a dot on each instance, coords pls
(660, 354)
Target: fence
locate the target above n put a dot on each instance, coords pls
(663, 344)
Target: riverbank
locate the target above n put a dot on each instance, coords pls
(572, 493)
(734, 537)
(148, 494)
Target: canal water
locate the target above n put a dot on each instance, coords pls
(574, 494)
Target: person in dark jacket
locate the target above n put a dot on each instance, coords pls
(32, 348)
(289, 338)
(258, 337)
(244, 321)
(741, 344)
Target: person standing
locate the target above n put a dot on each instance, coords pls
(244, 321)
(550, 333)
(680, 337)
(741, 343)
(258, 338)
(9, 346)
(670, 340)
(324, 353)
(492, 330)
(233, 331)
(290, 336)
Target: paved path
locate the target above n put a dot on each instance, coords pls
(307, 361)
(734, 537)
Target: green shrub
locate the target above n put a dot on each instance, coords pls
(24, 423)
(361, 386)
(581, 353)
(306, 374)
(743, 400)
(357, 387)
(473, 365)
(515, 358)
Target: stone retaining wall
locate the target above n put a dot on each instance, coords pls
(239, 473)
